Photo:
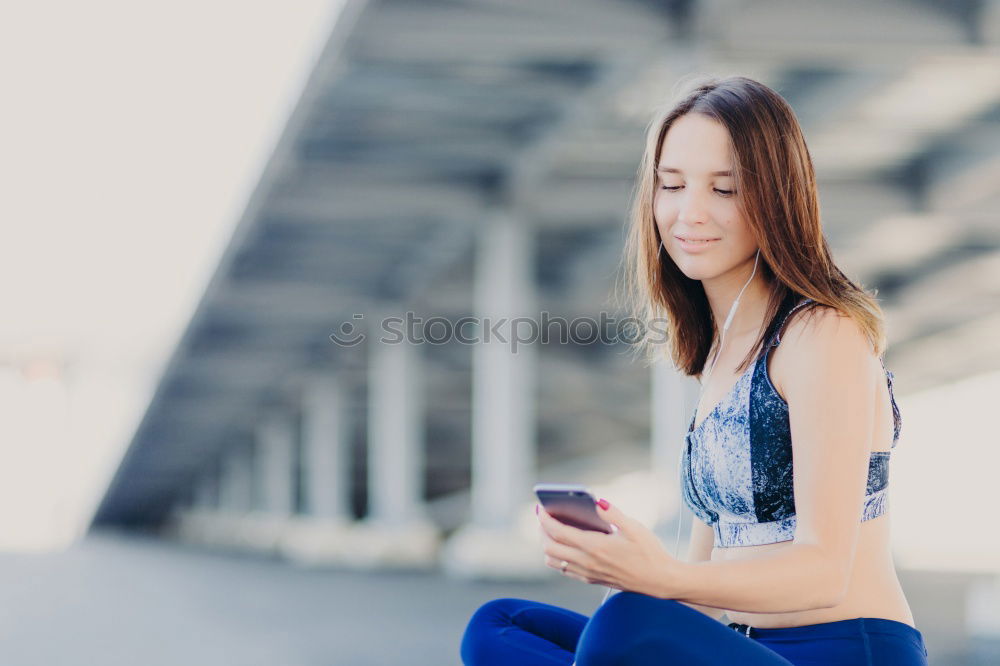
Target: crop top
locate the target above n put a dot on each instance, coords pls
(736, 467)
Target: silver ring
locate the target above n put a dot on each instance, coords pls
(563, 566)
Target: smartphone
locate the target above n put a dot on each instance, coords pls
(573, 505)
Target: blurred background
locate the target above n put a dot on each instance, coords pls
(210, 453)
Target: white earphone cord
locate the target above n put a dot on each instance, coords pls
(722, 341)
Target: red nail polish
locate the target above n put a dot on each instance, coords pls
(604, 504)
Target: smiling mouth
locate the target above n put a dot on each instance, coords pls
(689, 240)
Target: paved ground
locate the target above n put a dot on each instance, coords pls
(115, 600)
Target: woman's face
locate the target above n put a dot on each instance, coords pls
(693, 200)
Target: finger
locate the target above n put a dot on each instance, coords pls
(563, 533)
(560, 552)
(618, 519)
(549, 525)
(555, 563)
(577, 572)
(543, 535)
(571, 571)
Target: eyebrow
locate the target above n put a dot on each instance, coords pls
(666, 169)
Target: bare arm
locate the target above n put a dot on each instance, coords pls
(831, 396)
(700, 550)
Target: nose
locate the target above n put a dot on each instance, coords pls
(693, 207)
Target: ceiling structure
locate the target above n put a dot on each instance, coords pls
(422, 118)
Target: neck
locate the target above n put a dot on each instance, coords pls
(723, 290)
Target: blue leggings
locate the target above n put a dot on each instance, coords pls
(636, 629)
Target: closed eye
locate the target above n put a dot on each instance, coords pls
(724, 193)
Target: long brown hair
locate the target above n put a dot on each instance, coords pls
(776, 190)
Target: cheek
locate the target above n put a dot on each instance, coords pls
(730, 220)
(662, 204)
(664, 214)
(738, 231)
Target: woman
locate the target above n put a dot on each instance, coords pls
(725, 227)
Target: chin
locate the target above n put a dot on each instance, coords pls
(698, 268)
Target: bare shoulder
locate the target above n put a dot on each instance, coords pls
(818, 334)
(820, 327)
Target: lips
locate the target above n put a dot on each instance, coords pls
(691, 239)
(693, 246)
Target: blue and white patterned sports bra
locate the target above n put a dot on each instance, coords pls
(736, 467)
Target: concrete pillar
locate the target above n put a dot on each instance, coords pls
(988, 20)
(276, 466)
(206, 494)
(396, 532)
(503, 377)
(236, 500)
(325, 464)
(272, 476)
(495, 544)
(673, 400)
(396, 434)
(236, 488)
(199, 520)
(324, 533)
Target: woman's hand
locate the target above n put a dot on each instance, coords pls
(630, 558)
